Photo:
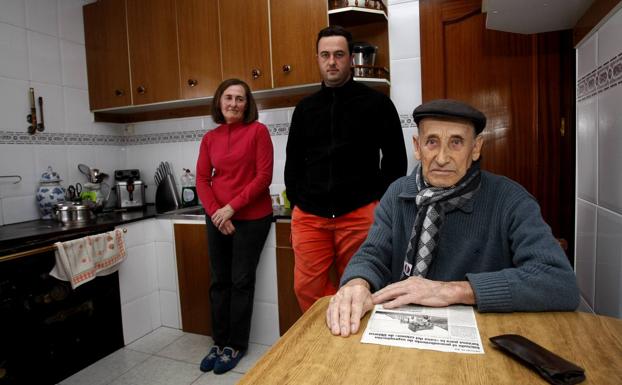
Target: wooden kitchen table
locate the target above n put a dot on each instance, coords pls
(309, 354)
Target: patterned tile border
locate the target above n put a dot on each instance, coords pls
(8, 137)
(606, 76)
(407, 121)
(135, 140)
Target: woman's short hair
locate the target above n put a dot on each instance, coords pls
(250, 113)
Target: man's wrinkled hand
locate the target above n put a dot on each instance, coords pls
(348, 306)
(421, 291)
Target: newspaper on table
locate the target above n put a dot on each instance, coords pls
(446, 329)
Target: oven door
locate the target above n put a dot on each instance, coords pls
(49, 331)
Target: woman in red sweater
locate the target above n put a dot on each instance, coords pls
(234, 171)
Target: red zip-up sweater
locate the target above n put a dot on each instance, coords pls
(235, 167)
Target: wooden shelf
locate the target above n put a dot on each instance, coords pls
(351, 16)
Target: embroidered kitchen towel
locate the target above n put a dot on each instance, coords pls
(80, 260)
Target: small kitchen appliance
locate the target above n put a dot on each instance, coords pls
(130, 189)
(363, 58)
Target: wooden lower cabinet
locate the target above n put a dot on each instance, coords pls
(194, 277)
(289, 310)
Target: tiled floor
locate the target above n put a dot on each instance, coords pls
(164, 357)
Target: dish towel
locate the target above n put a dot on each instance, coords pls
(80, 260)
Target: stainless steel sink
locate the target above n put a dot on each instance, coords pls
(194, 212)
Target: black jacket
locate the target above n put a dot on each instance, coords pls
(345, 147)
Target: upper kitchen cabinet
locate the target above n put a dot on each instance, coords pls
(152, 37)
(245, 39)
(294, 26)
(107, 60)
(163, 59)
(199, 47)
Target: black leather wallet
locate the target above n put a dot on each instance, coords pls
(549, 365)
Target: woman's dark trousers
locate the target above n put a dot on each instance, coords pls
(233, 264)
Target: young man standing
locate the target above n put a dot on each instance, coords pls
(345, 147)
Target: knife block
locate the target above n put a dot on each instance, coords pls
(167, 196)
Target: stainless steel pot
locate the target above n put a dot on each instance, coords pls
(68, 212)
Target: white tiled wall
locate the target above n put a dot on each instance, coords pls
(42, 46)
(598, 259)
(405, 53)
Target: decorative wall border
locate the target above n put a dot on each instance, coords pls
(606, 76)
(8, 137)
(44, 138)
(407, 121)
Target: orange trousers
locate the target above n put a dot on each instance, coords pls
(319, 243)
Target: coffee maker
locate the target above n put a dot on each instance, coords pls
(129, 188)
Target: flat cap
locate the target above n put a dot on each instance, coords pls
(449, 108)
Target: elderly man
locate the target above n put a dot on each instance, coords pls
(452, 234)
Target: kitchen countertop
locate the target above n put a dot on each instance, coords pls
(24, 236)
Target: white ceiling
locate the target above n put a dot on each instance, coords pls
(533, 16)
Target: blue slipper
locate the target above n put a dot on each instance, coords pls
(228, 360)
(210, 359)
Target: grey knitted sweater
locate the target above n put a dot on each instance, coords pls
(498, 242)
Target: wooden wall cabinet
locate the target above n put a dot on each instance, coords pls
(161, 69)
(294, 26)
(107, 58)
(152, 37)
(180, 50)
(193, 272)
(199, 47)
(245, 38)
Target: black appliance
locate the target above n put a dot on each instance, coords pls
(48, 331)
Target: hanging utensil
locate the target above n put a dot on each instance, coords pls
(41, 126)
(19, 178)
(32, 118)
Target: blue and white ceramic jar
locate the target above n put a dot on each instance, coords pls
(49, 193)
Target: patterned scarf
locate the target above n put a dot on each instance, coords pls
(433, 203)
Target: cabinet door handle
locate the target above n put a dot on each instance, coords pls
(256, 73)
(192, 82)
(287, 68)
(119, 92)
(141, 90)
